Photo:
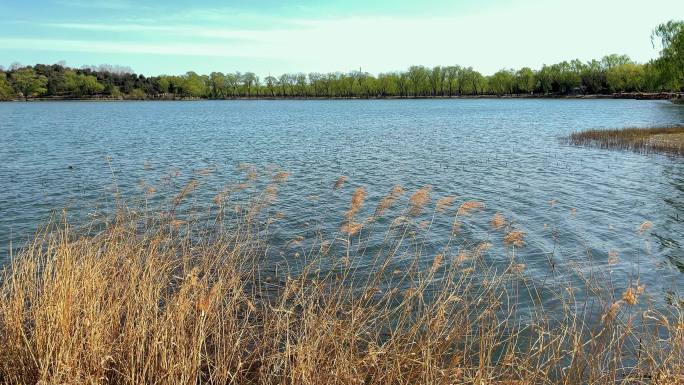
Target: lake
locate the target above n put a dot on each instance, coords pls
(574, 204)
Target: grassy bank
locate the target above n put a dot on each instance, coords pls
(664, 140)
(150, 297)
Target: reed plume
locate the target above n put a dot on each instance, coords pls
(444, 203)
(388, 201)
(498, 221)
(515, 238)
(469, 207)
(153, 298)
(281, 177)
(357, 200)
(339, 182)
(419, 200)
(645, 226)
(187, 190)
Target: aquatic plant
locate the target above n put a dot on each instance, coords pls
(665, 140)
(339, 182)
(419, 200)
(150, 297)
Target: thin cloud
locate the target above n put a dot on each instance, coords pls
(109, 4)
(185, 31)
(65, 45)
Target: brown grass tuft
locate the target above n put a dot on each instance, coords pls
(498, 221)
(281, 177)
(444, 203)
(339, 182)
(515, 238)
(645, 226)
(187, 190)
(437, 262)
(666, 140)
(140, 302)
(388, 201)
(358, 198)
(351, 228)
(469, 207)
(419, 200)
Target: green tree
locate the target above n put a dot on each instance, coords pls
(451, 78)
(248, 81)
(614, 60)
(502, 82)
(6, 91)
(628, 77)
(81, 85)
(194, 85)
(164, 84)
(436, 79)
(217, 85)
(90, 85)
(271, 83)
(593, 77)
(403, 84)
(671, 35)
(29, 83)
(471, 82)
(137, 94)
(417, 77)
(525, 80)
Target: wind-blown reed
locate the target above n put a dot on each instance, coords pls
(143, 299)
(665, 140)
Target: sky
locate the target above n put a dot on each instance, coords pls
(273, 37)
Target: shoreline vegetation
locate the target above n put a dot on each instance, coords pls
(675, 97)
(148, 297)
(663, 140)
(611, 76)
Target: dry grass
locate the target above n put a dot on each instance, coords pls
(498, 221)
(388, 201)
(469, 207)
(420, 199)
(154, 299)
(339, 182)
(665, 140)
(515, 238)
(444, 203)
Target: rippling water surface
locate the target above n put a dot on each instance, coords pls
(575, 204)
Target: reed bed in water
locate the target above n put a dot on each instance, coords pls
(151, 299)
(665, 140)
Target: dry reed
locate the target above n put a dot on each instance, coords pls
(469, 207)
(339, 182)
(498, 221)
(419, 200)
(148, 300)
(444, 203)
(388, 201)
(666, 140)
(515, 238)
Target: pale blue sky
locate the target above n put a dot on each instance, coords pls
(272, 37)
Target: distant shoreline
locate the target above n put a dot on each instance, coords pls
(676, 98)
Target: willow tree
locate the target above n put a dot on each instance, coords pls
(525, 80)
(417, 76)
(271, 83)
(671, 61)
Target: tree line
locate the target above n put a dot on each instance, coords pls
(609, 75)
